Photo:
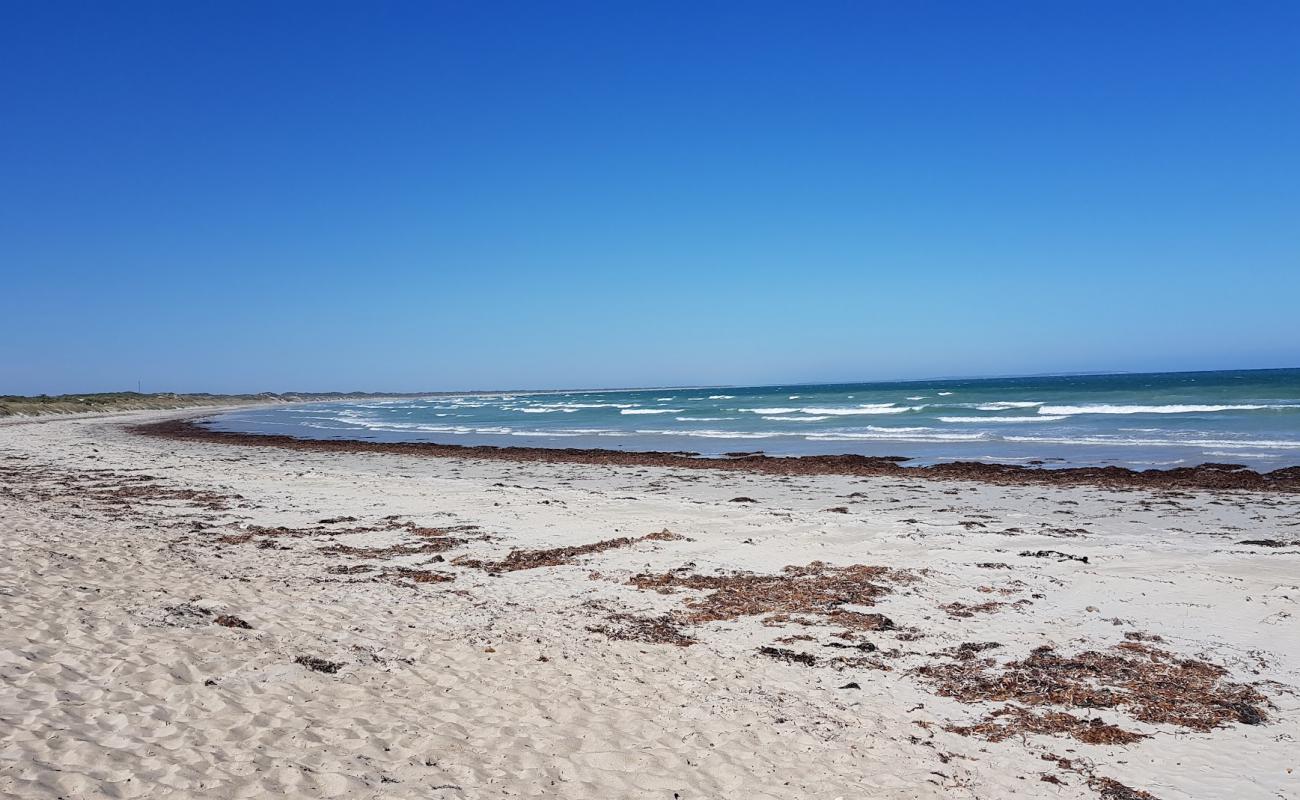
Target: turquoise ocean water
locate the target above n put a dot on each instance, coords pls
(1140, 421)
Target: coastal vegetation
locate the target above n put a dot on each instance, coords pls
(26, 406)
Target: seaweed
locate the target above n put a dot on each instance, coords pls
(1148, 684)
(518, 560)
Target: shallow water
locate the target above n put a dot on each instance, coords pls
(1141, 421)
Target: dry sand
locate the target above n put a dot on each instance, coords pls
(399, 654)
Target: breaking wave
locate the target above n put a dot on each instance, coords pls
(1168, 409)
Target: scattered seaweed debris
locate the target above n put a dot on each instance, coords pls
(428, 547)
(1267, 543)
(962, 610)
(839, 663)
(1111, 789)
(430, 540)
(559, 556)
(837, 510)
(127, 496)
(1057, 554)
(349, 569)
(1010, 721)
(319, 664)
(1107, 788)
(852, 621)
(1148, 684)
(1140, 636)
(402, 574)
(1205, 476)
(866, 647)
(967, 650)
(185, 614)
(742, 499)
(651, 630)
(788, 656)
(230, 621)
(817, 589)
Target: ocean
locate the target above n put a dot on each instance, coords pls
(1141, 421)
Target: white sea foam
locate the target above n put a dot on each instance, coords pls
(1269, 444)
(576, 406)
(722, 397)
(944, 394)
(869, 408)
(873, 408)
(917, 397)
(1239, 454)
(711, 434)
(1167, 409)
(896, 435)
(1006, 405)
(978, 420)
(704, 419)
(652, 411)
(411, 426)
(795, 419)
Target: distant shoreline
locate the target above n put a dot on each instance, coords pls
(1212, 476)
(21, 406)
(119, 401)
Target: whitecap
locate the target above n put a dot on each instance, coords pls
(1007, 405)
(1265, 444)
(652, 411)
(978, 420)
(888, 435)
(868, 408)
(873, 408)
(1165, 409)
(712, 434)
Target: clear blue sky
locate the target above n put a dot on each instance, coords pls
(244, 196)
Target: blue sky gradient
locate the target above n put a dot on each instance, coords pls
(238, 196)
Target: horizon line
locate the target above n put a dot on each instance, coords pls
(674, 387)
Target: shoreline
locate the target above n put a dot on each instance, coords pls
(183, 611)
(1207, 476)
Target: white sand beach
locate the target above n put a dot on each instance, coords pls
(207, 620)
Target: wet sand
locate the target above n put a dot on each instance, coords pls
(194, 615)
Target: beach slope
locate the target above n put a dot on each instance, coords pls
(206, 618)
